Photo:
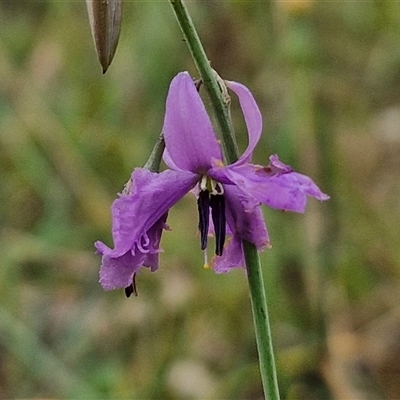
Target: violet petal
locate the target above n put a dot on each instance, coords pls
(247, 223)
(117, 272)
(189, 137)
(232, 257)
(151, 196)
(287, 191)
(252, 117)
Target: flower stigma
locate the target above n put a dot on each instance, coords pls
(211, 195)
(206, 264)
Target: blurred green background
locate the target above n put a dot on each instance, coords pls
(327, 78)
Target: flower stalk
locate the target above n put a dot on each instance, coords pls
(261, 321)
(252, 260)
(154, 160)
(208, 76)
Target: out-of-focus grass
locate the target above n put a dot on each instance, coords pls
(327, 78)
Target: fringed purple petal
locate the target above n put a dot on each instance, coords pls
(245, 225)
(273, 185)
(154, 235)
(150, 196)
(232, 257)
(117, 272)
(245, 221)
(277, 167)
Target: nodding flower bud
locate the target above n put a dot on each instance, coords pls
(105, 18)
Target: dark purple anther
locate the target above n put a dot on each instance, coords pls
(217, 204)
(203, 205)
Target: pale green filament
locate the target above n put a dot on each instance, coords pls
(214, 187)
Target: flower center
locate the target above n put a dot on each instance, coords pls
(211, 195)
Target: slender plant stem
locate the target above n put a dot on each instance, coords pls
(208, 77)
(254, 272)
(261, 321)
(153, 163)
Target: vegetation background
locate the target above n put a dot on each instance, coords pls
(327, 78)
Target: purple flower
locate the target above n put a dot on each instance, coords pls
(228, 196)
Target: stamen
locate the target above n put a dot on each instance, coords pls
(203, 183)
(131, 289)
(217, 204)
(211, 194)
(203, 205)
(215, 187)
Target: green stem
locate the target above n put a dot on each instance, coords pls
(153, 163)
(254, 272)
(207, 74)
(261, 321)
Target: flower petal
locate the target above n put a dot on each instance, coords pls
(277, 166)
(247, 225)
(252, 117)
(286, 191)
(189, 137)
(168, 160)
(232, 257)
(246, 222)
(151, 195)
(154, 235)
(118, 272)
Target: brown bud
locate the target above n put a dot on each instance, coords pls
(105, 18)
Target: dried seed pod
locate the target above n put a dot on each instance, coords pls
(105, 18)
